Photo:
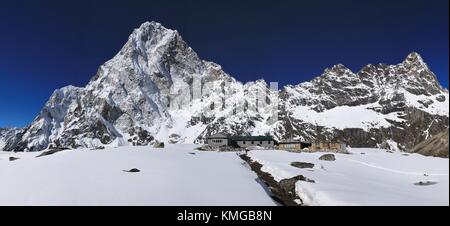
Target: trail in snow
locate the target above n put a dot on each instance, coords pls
(392, 170)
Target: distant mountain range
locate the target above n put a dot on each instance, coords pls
(157, 88)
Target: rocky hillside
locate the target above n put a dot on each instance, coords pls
(389, 106)
(436, 145)
(157, 88)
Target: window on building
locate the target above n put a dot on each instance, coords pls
(260, 142)
(243, 142)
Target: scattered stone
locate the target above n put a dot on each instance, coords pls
(13, 159)
(389, 151)
(327, 157)
(405, 154)
(158, 144)
(425, 183)
(192, 153)
(362, 153)
(134, 170)
(98, 148)
(302, 165)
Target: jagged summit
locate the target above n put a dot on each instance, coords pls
(157, 88)
(150, 28)
(151, 31)
(414, 57)
(413, 62)
(151, 24)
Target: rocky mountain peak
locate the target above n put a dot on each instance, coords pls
(414, 62)
(157, 88)
(148, 38)
(151, 24)
(153, 31)
(338, 70)
(414, 57)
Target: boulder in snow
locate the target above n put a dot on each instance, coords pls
(302, 165)
(288, 185)
(425, 183)
(158, 144)
(13, 159)
(327, 157)
(134, 170)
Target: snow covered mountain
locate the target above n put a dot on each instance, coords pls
(157, 88)
(4, 135)
(389, 106)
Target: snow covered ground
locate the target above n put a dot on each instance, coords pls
(364, 177)
(347, 117)
(170, 176)
(176, 176)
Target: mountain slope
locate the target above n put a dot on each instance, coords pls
(157, 87)
(391, 106)
(436, 145)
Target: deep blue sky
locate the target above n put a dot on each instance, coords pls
(45, 45)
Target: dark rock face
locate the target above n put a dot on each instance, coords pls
(436, 145)
(139, 137)
(111, 113)
(302, 165)
(327, 157)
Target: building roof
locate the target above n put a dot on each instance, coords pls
(217, 136)
(241, 138)
(293, 142)
(251, 138)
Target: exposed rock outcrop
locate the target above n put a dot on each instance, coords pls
(436, 145)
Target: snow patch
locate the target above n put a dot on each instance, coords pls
(376, 177)
(170, 176)
(346, 117)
